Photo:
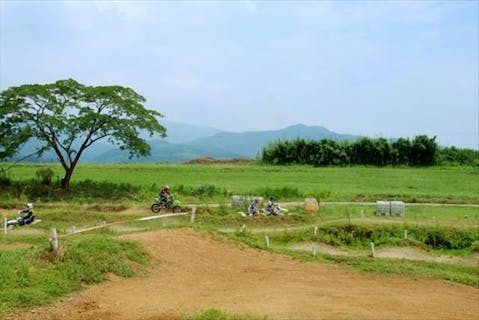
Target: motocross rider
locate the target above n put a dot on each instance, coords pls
(165, 194)
(27, 215)
(253, 209)
(270, 208)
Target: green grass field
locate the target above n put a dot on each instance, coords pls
(432, 184)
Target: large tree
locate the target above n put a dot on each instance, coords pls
(68, 117)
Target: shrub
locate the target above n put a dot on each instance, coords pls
(45, 176)
(5, 180)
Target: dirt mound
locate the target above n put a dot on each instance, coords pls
(210, 160)
(192, 272)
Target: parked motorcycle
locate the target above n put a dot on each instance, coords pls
(171, 204)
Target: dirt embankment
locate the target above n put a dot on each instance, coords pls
(192, 272)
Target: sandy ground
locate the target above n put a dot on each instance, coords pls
(193, 272)
(394, 253)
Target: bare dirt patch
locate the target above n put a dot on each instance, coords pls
(13, 246)
(192, 272)
(395, 253)
(418, 254)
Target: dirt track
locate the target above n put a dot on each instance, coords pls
(192, 272)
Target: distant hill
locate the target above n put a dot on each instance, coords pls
(249, 144)
(180, 132)
(188, 142)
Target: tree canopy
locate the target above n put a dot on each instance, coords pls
(421, 151)
(68, 117)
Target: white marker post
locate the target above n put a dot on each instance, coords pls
(54, 239)
(5, 227)
(266, 239)
(405, 234)
(193, 213)
(373, 252)
(242, 228)
(315, 231)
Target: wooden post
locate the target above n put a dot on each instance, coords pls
(54, 239)
(405, 234)
(5, 227)
(266, 239)
(373, 252)
(192, 217)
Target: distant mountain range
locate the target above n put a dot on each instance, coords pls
(187, 142)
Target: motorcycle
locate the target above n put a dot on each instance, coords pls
(274, 209)
(20, 221)
(171, 203)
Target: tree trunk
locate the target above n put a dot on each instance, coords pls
(65, 182)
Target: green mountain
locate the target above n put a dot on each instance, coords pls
(185, 143)
(162, 151)
(249, 144)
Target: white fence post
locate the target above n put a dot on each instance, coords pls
(266, 239)
(5, 228)
(54, 239)
(316, 231)
(373, 252)
(242, 228)
(405, 234)
(193, 213)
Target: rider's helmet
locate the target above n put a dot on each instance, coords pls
(167, 187)
(29, 206)
(271, 199)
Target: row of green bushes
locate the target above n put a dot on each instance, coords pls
(421, 151)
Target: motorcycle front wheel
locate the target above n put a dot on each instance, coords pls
(176, 209)
(155, 207)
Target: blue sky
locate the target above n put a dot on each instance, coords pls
(375, 68)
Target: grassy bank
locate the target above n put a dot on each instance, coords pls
(31, 275)
(357, 237)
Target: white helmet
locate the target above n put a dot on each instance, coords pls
(29, 205)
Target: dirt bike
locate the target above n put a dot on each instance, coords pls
(20, 221)
(171, 203)
(274, 209)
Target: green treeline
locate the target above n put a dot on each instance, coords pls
(421, 151)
